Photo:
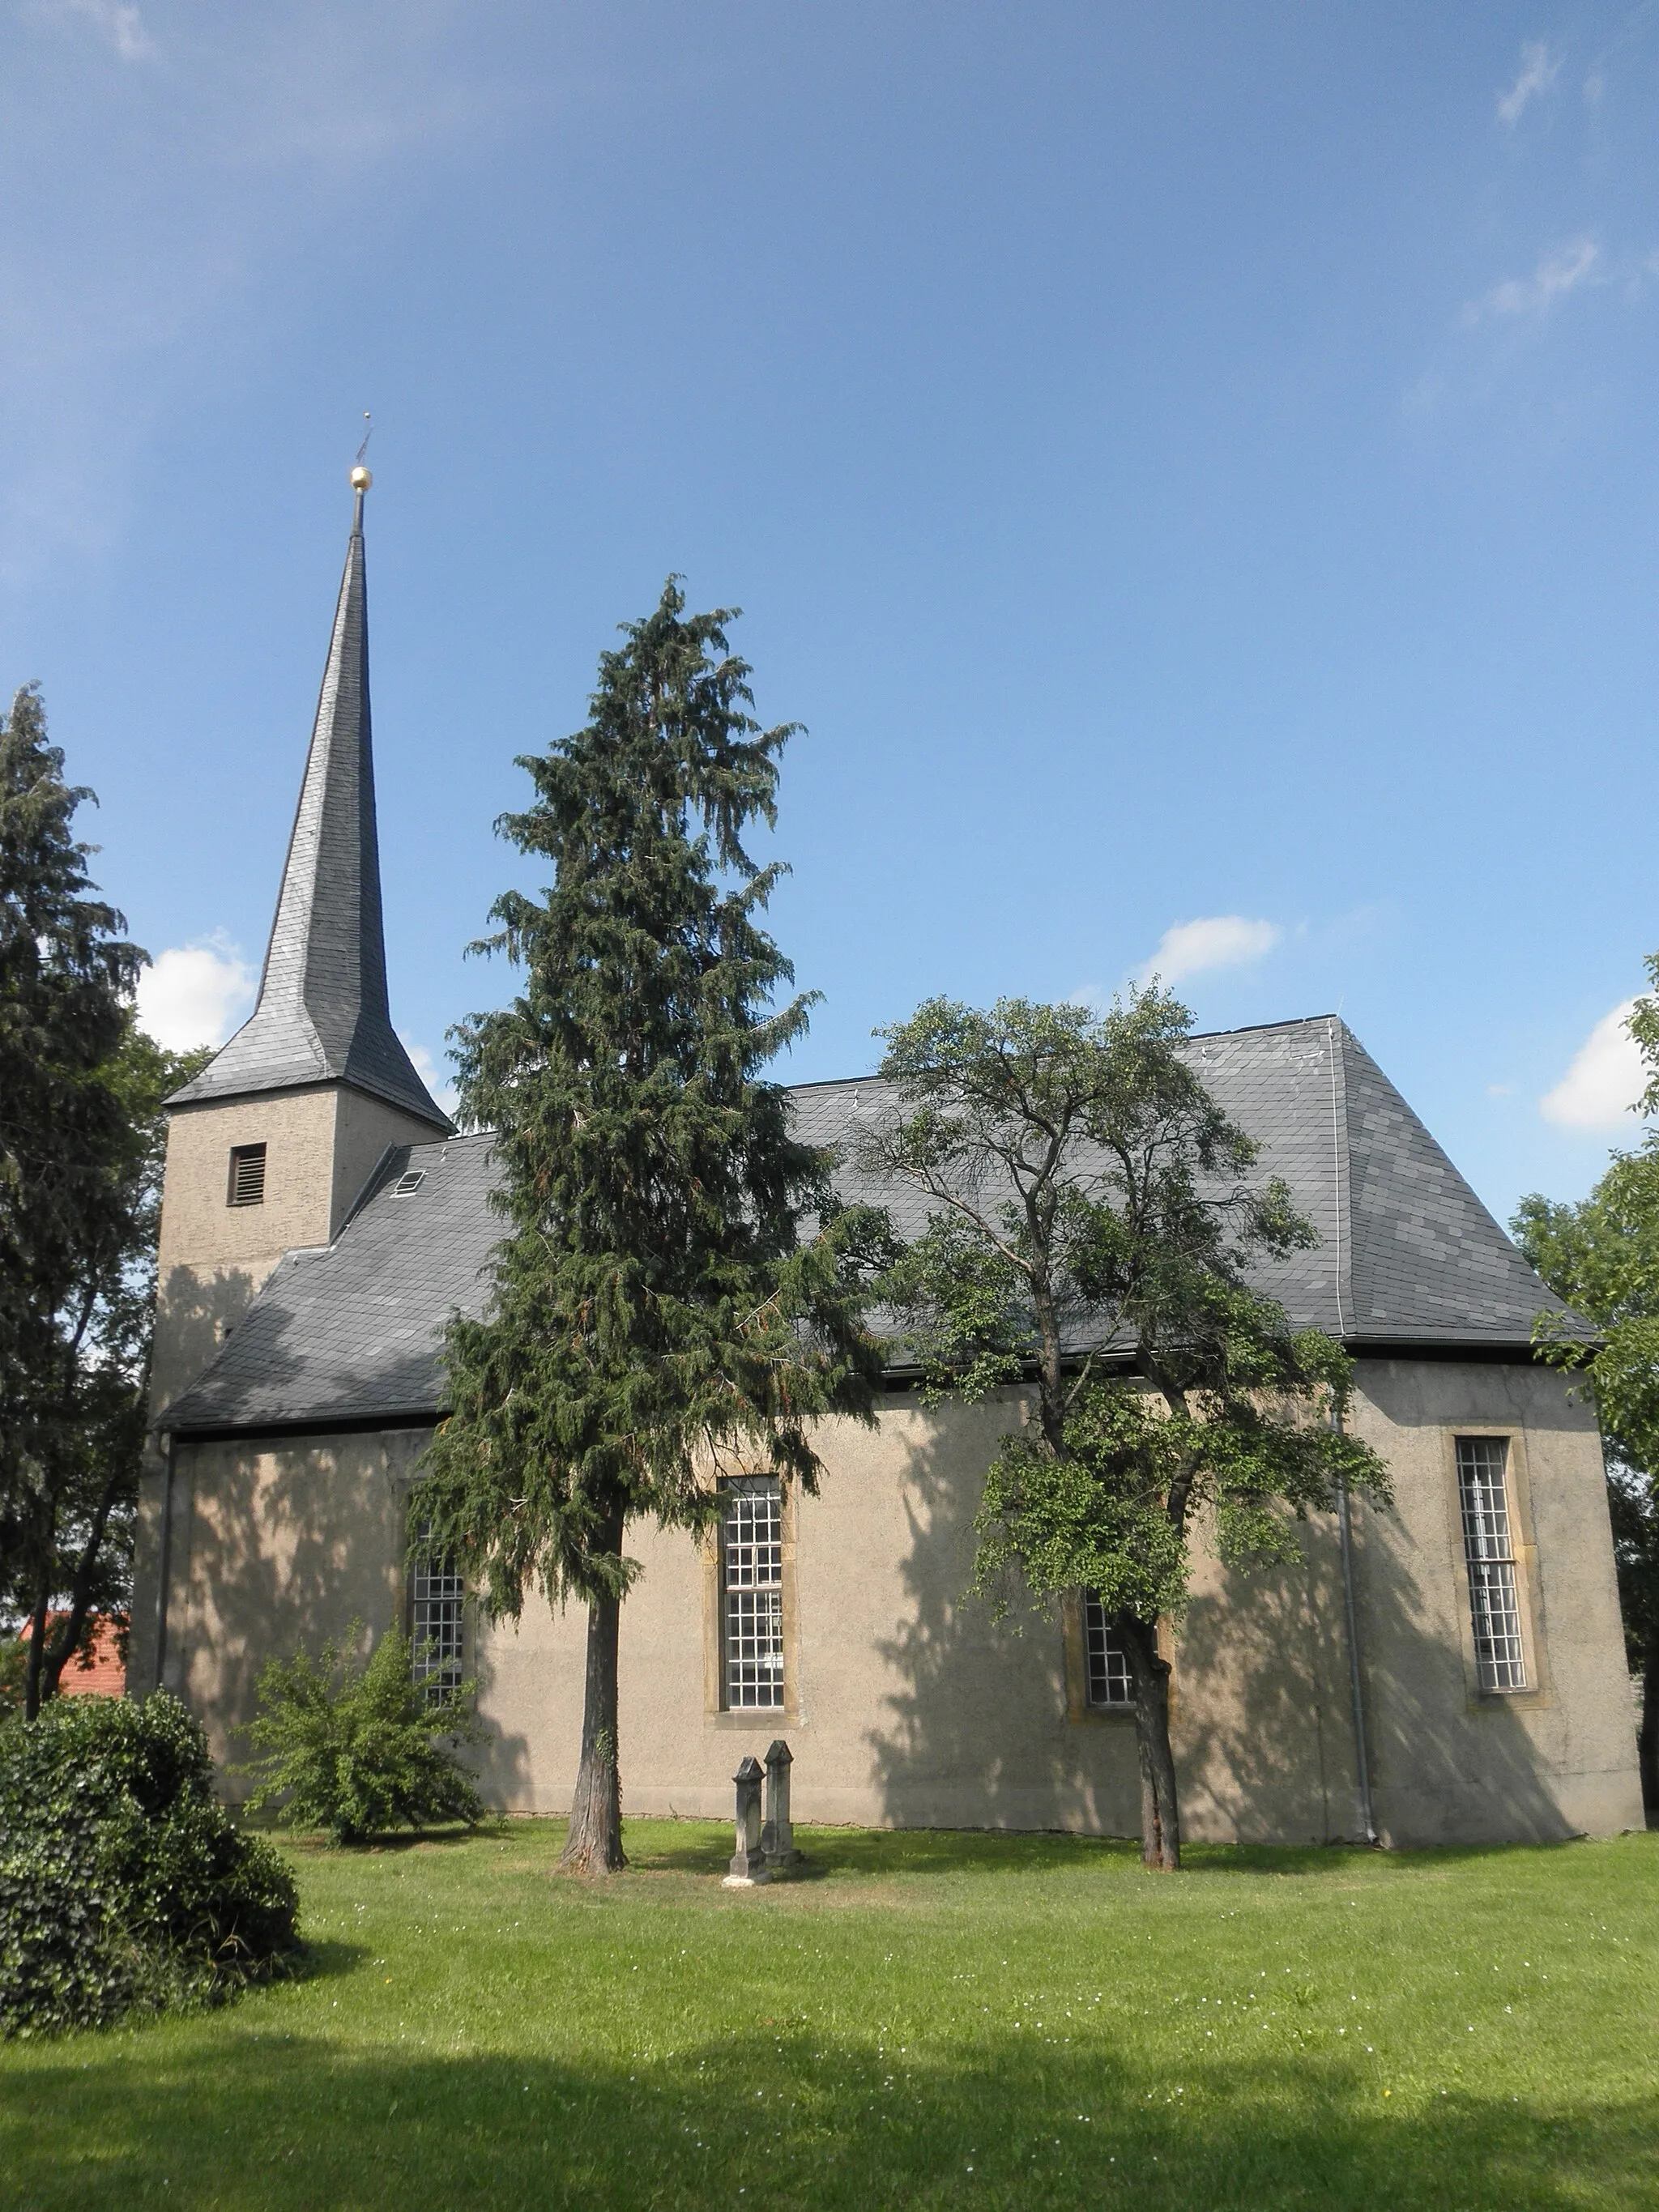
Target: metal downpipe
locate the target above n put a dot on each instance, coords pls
(164, 1559)
(1362, 1756)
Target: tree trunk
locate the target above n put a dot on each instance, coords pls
(1647, 1741)
(1160, 1812)
(594, 1844)
(1051, 1398)
(63, 1646)
(36, 1659)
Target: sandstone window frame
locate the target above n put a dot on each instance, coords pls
(718, 1710)
(751, 1594)
(1081, 1708)
(1110, 1681)
(436, 1609)
(1488, 1518)
(1481, 1697)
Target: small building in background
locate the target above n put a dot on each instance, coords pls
(98, 1670)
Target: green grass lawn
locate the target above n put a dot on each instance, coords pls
(919, 2019)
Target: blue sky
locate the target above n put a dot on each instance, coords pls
(1185, 466)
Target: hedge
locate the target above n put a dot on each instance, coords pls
(125, 1886)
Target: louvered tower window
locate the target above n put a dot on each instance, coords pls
(1489, 1553)
(751, 1577)
(1111, 1679)
(247, 1175)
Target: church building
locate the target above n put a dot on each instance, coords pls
(1449, 1670)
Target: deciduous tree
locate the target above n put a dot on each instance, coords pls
(676, 1293)
(1094, 1216)
(1602, 1257)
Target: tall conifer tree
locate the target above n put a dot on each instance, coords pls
(677, 1294)
(70, 1156)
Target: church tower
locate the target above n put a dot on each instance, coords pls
(273, 1143)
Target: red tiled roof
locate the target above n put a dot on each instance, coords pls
(100, 1671)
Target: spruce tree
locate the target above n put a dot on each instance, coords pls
(76, 1561)
(69, 1161)
(676, 1295)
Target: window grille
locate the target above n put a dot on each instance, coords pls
(436, 1596)
(247, 1176)
(751, 1574)
(1489, 1553)
(1111, 1679)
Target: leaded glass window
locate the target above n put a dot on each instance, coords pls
(752, 1588)
(1111, 1679)
(1489, 1553)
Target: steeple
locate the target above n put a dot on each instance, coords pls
(322, 1015)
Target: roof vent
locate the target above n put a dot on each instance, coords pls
(406, 1183)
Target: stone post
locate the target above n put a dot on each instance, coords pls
(748, 1860)
(778, 1836)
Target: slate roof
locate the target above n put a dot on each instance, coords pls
(323, 1015)
(1409, 1256)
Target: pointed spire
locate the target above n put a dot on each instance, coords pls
(323, 1015)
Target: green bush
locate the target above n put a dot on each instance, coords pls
(124, 1884)
(14, 1666)
(357, 1748)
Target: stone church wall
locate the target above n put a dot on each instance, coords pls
(906, 1704)
(1450, 1764)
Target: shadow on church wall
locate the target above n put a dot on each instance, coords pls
(195, 1316)
(1265, 1731)
(975, 1731)
(278, 1544)
(190, 1318)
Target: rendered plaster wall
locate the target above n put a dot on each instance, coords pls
(907, 1705)
(1449, 1762)
(276, 1549)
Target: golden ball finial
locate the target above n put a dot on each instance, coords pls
(360, 478)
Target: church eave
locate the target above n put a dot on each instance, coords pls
(417, 1104)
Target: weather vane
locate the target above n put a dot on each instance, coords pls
(360, 478)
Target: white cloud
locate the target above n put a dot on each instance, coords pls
(1220, 941)
(1557, 274)
(436, 1079)
(121, 24)
(1539, 70)
(194, 994)
(1605, 1080)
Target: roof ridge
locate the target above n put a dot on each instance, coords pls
(1337, 1037)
